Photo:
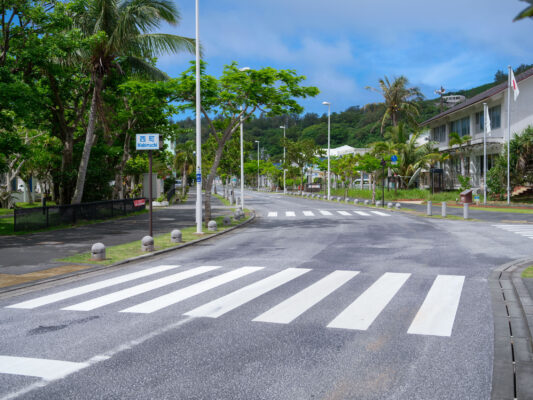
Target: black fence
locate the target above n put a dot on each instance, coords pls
(28, 219)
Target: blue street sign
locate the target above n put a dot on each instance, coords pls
(198, 178)
(147, 141)
(394, 158)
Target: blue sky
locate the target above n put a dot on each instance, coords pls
(342, 46)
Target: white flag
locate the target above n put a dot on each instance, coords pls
(514, 85)
(488, 121)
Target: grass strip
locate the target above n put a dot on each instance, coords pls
(125, 251)
(498, 209)
(222, 199)
(528, 272)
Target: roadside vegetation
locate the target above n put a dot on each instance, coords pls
(528, 273)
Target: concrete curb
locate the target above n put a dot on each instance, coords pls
(11, 289)
(512, 309)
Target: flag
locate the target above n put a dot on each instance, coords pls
(514, 85)
(488, 121)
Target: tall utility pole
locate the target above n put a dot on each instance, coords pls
(198, 129)
(242, 150)
(329, 144)
(441, 92)
(284, 170)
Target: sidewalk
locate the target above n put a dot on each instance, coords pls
(36, 252)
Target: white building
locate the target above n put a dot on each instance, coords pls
(467, 119)
(344, 150)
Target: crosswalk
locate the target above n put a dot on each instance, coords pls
(326, 213)
(434, 317)
(520, 229)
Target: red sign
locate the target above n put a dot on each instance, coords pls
(138, 203)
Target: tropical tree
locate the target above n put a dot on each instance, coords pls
(301, 153)
(120, 33)
(461, 142)
(399, 99)
(526, 12)
(346, 170)
(268, 90)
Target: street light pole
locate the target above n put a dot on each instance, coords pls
(284, 170)
(257, 141)
(242, 151)
(329, 143)
(198, 128)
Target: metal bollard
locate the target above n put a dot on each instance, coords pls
(465, 210)
(443, 209)
(429, 210)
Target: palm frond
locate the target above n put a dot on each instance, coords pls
(142, 67)
(161, 43)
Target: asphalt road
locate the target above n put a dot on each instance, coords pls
(314, 300)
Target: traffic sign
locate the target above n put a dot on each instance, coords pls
(394, 159)
(147, 141)
(198, 178)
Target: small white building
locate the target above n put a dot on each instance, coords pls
(344, 150)
(467, 119)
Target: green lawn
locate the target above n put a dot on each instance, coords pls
(409, 194)
(128, 250)
(528, 272)
(222, 199)
(502, 209)
(8, 211)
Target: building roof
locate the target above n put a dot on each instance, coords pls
(480, 97)
(343, 150)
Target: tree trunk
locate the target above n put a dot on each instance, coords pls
(372, 178)
(210, 180)
(89, 141)
(119, 176)
(183, 181)
(66, 181)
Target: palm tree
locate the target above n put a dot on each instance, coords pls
(399, 99)
(462, 142)
(120, 31)
(184, 162)
(527, 12)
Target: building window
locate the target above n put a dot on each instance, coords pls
(491, 162)
(495, 119)
(439, 134)
(461, 126)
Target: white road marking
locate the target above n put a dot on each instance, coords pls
(366, 308)
(344, 213)
(309, 213)
(437, 313)
(290, 214)
(136, 290)
(362, 213)
(224, 304)
(190, 291)
(273, 214)
(66, 294)
(296, 305)
(323, 212)
(38, 367)
(380, 213)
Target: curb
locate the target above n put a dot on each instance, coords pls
(119, 264)
(512, 309)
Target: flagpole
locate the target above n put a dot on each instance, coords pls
(509, 136)
(485, 120)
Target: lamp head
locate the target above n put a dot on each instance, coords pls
(244, 69)
(282, 126)
(326, 103)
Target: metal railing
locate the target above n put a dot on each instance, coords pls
(28, 219)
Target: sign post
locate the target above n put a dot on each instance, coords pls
(148, 141)
(383, 164)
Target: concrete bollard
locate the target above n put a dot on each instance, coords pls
(398, 206)
(98, 252)
(378, 203)
(389, 205)
(356, 201)
(465, 210)
(429, 209)
(212, 226)
(238, 214)
(443, 209)
(367, 202)
(147, 243)
(226, 221)
(338, 199)
(175, 236)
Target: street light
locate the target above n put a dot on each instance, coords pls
(326, 103)
(257, 141)
(284, 170)
(242, 151)
(198, 129)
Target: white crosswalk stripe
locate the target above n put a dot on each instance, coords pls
(364, 214)
(522, 230)
(324, 212)
(309, 213)
(382, 214)
(136, 290)
(38, 367)
(185, 293)
(291, 308)
(344, 213)
(290, 214)
(66, 294)
(221, 306)
(437, 314)
(363, 311)
(273, 214)
(434, 317)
